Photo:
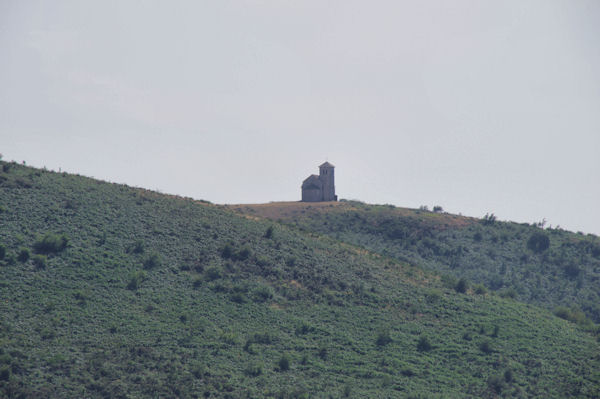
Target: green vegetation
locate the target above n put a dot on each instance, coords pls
(546, 267)
(225, 312)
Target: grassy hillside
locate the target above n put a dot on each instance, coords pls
(552, 268)
(113, 291)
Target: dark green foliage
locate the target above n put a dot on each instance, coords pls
(24, 255)
(488, 219)
(11, 259)
(4, 373)
(244, 253)
(136, 280)
(424, 345)
(486, 346)
(304, 328)
(153, 260)
(496, 383)
(508, 376)
(462, 286)
(573, 315)
(254, 369)
(2, 251)
(538, 242)
(284, 363)
(40, 261)
(50, 243)
(496, 331)
(269, 232)
(227, 251)
(262, 294)
(213, 273)
(238, 297)
(572, 270)
(479, 289)
(347, 391)
(383, 337)
(197, 282)
(137, 247)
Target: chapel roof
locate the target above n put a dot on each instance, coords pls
(326, 165)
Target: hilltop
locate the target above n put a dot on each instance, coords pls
(553, 268)
(115, 291)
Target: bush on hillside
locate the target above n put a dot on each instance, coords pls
(2, 251)
(24, 255)
(488, 219)
(136, 280)
(424, 345)
(283, 363)
(462, 286)
(486, 347)
(383, 337)
(538, 242)
(40, 261)
(269, 232)
(213, 273)
(153, 260)
(50, 243)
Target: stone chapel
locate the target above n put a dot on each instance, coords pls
(320, 188)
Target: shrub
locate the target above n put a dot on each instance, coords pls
(50, 243)
(323, 352)
(448, 281)
(508, 376)
(262, 294)
(424, 345)
(2, 251)
(24, 255)
(238, 297)
(461, 286)
(269, 232)
(228, 338)
(488, 219)
(304, 328)
(212, 273)
(227, 251)
(284, 363)
(137, 247)
(538, 242)
(480, 289)
(152, 261)
(136, 280)
(509, 293)
(496, 383)
(383, 337)
(253, 370)
(486, 347)
(197, 282)
(573, 315)
(40, 261)
(572, 270)
(347, 391)
(438, 209)
(11, 259)
(244, 253)
(5, 373)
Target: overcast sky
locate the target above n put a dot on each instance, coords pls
(477, 106)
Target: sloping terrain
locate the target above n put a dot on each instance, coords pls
(552, 268)
(118, 292)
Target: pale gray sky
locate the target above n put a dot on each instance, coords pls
(478, 106)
